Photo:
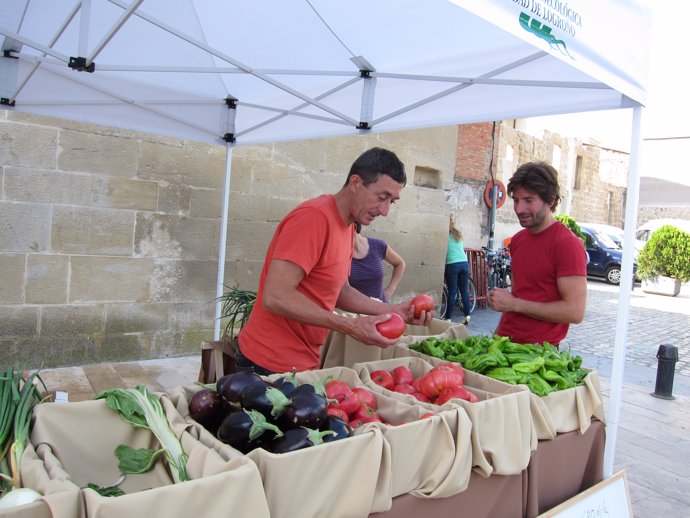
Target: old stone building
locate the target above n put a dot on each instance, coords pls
(109, 238)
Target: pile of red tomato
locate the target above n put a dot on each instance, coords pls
(354, 405)
(441, 384)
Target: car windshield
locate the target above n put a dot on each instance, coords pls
(606, 240)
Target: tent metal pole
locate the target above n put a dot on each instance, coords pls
(84, 25)
(625, 288)
(220, 284)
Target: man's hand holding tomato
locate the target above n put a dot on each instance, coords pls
(415, 315)
(373, 313)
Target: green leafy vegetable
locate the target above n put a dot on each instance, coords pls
(106, 491)
(136, 461)
(142, 409)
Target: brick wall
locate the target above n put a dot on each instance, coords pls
(476, 151)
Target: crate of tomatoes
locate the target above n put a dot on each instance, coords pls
(502, 434)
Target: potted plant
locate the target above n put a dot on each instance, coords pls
(237, 305)
(219, 357)
(664, 261)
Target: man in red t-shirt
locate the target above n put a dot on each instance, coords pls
(548, 263)
(306, 268)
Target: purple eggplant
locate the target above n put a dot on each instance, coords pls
(307, 409)
(318, 386)
(265, 398)
(208, 408)
(245, 430)
(337, 425)
(296, 439)
(287, 384)
(231, 385)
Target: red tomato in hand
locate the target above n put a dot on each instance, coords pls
(394, 327)
(422, 302)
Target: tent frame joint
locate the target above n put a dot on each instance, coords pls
(231, 103)
(7, 53)
(79, 64)
(363, 126)
(4, 101)
(229, 137)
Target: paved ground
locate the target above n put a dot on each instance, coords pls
(653, 443)
(653, 439)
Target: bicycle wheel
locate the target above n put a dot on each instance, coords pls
(444, 301)
(472, 288)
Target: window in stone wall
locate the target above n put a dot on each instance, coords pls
(427, 177)
(577, 182)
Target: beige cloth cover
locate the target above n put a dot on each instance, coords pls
(568, 410)
(430, 458)
(75, 443)
(341, 350)
(350, 477)
(61, 498)
(502, 432)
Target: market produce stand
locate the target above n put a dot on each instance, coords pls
(562, 465)
(509, 453)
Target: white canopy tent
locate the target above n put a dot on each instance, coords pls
(247, 72)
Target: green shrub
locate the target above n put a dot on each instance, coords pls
(666, 253)
(571, 225)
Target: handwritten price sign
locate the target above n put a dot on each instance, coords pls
(608, 499)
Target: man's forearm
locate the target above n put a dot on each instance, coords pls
(559, 311)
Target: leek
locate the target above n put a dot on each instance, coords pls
(142, 409)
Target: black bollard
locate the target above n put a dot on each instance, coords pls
(667, 356)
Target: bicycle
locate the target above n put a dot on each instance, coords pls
(471, 288)
(499, 272)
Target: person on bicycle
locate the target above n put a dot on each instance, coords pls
(457, 272)
(549, 284)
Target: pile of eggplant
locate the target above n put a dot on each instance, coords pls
(248, 412)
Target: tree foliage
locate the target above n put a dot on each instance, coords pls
(666, 253)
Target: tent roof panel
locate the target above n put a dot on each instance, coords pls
(294, 65)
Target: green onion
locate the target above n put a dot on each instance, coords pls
(18, 396)
(142, 409)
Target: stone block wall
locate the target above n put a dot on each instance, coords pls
(109, 238)
(603, 176)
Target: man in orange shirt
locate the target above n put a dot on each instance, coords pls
(304, 277)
